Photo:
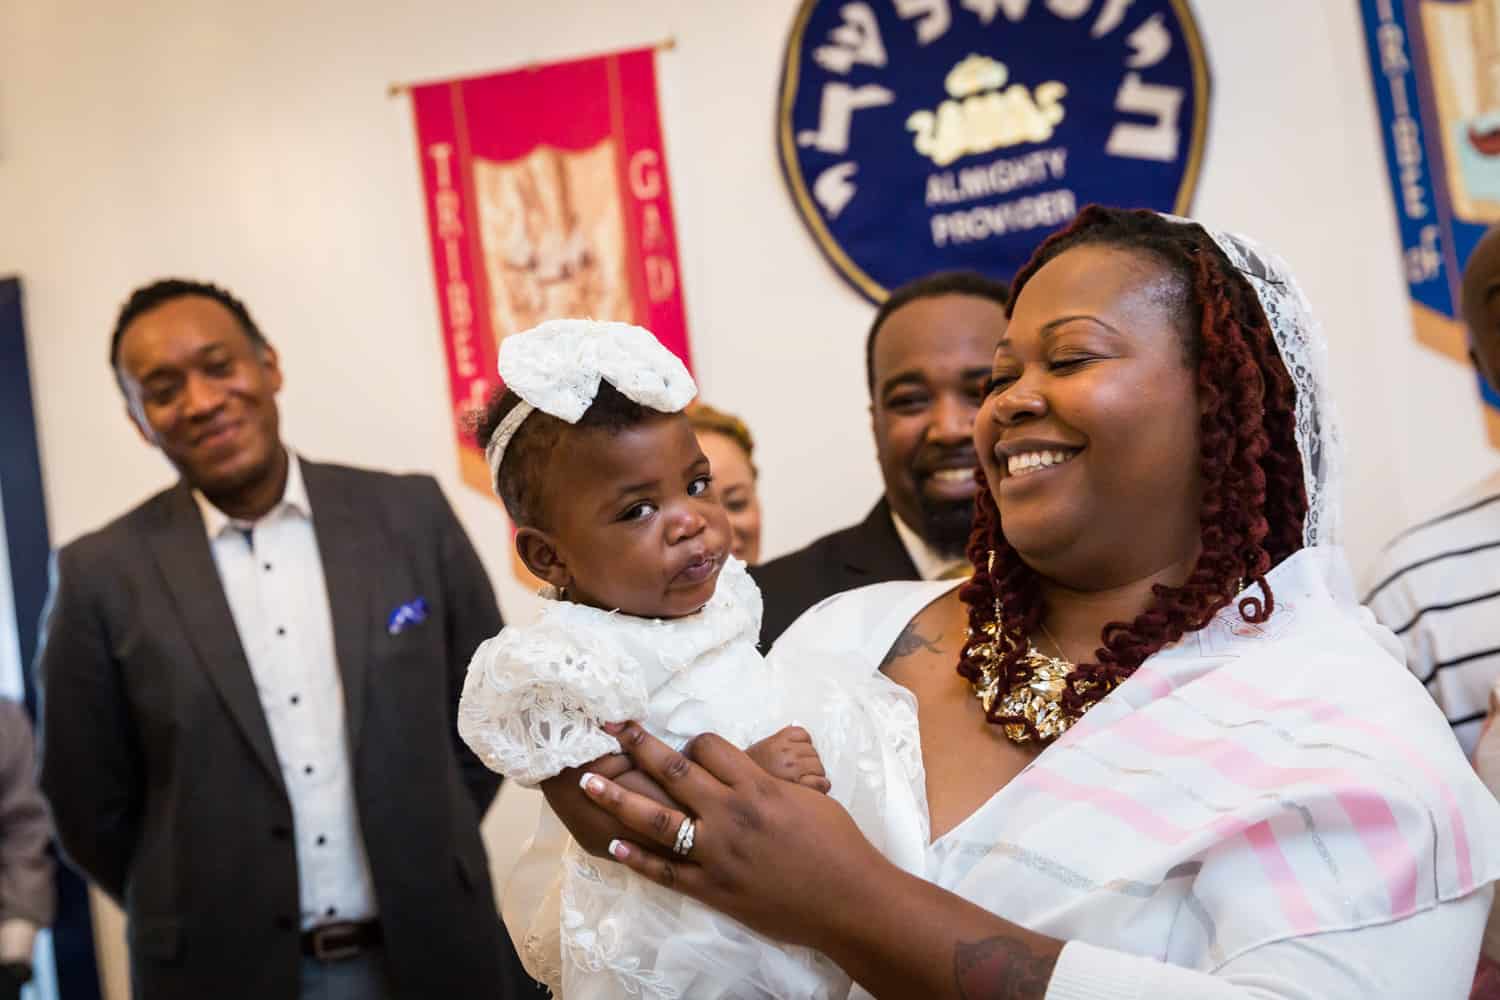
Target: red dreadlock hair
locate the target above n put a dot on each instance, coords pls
(1254, 500)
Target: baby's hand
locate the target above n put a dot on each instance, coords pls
(789, 755)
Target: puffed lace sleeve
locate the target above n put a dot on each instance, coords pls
(536, 696)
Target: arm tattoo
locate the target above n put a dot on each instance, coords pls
(1001, 968)
(911, 641)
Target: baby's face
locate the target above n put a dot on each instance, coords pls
(634, 520)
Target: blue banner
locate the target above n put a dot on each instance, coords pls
(1436, 71)
(926, 135)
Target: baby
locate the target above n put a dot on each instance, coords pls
(649, 618)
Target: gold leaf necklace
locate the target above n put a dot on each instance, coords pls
(1038, 698)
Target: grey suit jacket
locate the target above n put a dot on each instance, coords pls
(26, 890)
(161, 773)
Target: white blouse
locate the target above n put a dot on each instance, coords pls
(1265, 809)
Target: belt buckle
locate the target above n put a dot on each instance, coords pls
(327, 947)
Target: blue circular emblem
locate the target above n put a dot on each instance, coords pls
(928, 135)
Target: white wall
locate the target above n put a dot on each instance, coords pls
(254, 144)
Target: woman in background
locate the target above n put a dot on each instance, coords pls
(726, 441)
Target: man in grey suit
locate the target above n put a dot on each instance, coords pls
(250, 685)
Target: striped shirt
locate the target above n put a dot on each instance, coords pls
(1437, 586)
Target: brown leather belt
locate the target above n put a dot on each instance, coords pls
(337, 942)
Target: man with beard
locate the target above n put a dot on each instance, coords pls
(927, 359)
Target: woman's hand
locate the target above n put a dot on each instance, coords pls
(789, 862)
(775, 855)
(591, 828)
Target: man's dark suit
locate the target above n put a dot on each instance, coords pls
(163, 779)
(868, 552)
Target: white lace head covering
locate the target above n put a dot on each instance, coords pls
(1304, 351)
(556, 368)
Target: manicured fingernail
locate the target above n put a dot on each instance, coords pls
(591, 782)
(619, 849)
(614, 728)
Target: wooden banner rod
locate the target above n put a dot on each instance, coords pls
(665, 45)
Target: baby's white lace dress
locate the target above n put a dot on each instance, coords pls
(534, 703)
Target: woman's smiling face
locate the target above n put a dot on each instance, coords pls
(1089, 433)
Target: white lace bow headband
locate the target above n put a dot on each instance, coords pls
(556, 368)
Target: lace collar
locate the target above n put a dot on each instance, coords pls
(664, 646)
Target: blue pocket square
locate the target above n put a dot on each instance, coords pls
(407, 615)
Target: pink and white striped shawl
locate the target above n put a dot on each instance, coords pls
(1250, 784)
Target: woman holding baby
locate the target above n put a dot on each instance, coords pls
(1165, 751)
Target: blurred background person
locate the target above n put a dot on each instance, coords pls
(927, 361)
(249, 697)
(27, 895)
(1437, 584)
(726, 441)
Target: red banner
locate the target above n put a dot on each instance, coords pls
(547, 197)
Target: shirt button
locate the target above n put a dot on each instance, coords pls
(322, 840)
(308, 769)
(267, 567)
(280, 630)
(296, 699)
(332, 911)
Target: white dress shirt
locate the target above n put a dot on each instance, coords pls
(930, 565)
(273, 577)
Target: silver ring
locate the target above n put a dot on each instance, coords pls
(685, 833)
